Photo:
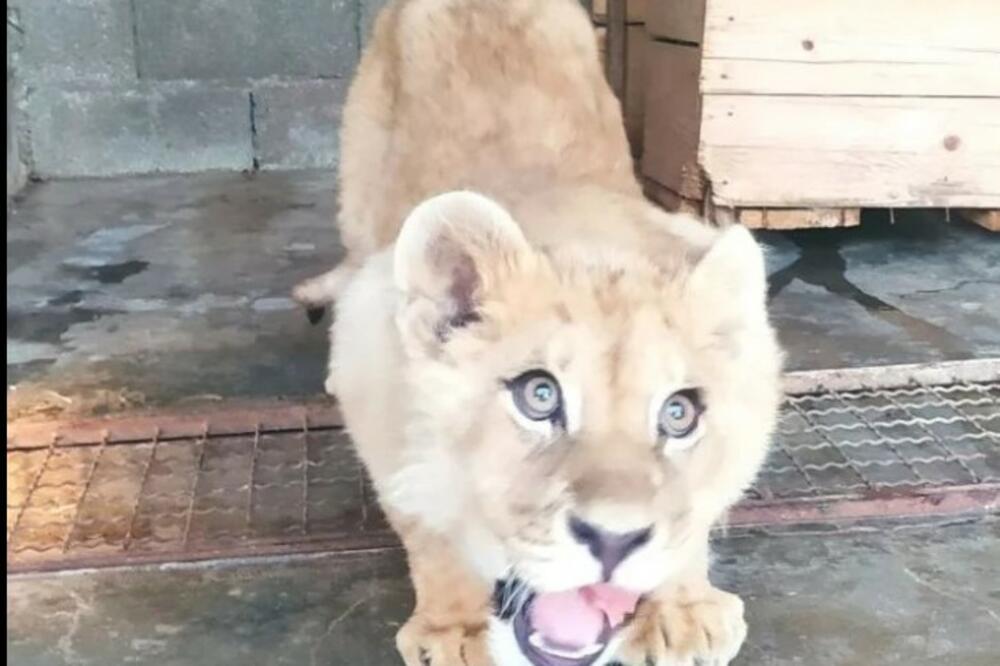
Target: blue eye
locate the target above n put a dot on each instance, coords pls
(537, 395)
(543, 393)
(680, 414)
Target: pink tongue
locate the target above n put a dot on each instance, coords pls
(575, 618)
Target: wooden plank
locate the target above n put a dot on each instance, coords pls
(673, 118)
(635, 86)
(676, 20)
(852, 47)
(636, 13)
(634, 105)
(727, 76)
(805, 152)
(987, 219)
(670, 200)
(798, 218)
(616, 46)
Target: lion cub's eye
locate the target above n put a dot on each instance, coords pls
(680, 414)
(537, 395)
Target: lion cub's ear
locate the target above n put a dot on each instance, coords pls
(448, 250)
(727, 288)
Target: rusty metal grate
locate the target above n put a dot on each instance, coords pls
(237, 484)
(153, 490)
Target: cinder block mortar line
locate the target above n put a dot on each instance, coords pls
(22, 133)
(254, 147)
(134, 18)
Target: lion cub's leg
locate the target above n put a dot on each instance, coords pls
(685, 623)
(448, 627)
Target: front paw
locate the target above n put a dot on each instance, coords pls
(422, 643)
(709, 630)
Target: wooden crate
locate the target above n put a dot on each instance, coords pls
(629, 82)
(793, 114)
(635, 11)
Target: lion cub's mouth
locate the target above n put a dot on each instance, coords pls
(567, 628)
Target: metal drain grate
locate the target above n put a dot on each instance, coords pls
(874, 440)
(237, 484)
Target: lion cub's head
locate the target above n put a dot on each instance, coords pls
(579, 418)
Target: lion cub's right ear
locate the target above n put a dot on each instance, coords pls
(448, 251)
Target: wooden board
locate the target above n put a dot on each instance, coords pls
(798, 218)
(987, 219)
(673, 118)
(636, 11)
(802, 151)
(670, 200)
(615, 51)
(635, 86)
(850, 47)
(633, 107)
(677, 20)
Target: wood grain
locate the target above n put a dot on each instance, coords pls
(616, 48)
(798, 218)
(673, 118)
(670, 200)
(852, 47)
(676, 20)
(635, 86)
(802, 151)
(636, 11)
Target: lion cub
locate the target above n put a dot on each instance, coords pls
(556, 387)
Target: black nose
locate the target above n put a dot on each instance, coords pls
(609, 548)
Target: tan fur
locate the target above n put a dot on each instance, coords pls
(564, 267)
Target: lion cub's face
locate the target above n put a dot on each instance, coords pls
(578, 418)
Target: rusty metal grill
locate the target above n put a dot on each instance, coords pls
(155, 490)
(152, 490)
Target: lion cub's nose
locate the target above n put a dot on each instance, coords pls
(609, 548)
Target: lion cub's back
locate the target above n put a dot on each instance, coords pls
(500, 96)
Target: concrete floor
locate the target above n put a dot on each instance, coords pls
(169, 290)
(146, 291)
(917, 596)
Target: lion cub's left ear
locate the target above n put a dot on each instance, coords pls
(448, 251)
(727, 288)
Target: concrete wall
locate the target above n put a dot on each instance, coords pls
(16, 171)
(109, 87)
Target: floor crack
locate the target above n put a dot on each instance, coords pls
(957, 285)
(919, 580)
(314, 656)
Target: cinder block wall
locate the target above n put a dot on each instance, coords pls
(109, 87)
(16, 171)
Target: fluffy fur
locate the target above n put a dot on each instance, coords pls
(494, 225)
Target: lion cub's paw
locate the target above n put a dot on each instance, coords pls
(422, 643)
(708, 631)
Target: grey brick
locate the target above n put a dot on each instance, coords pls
(17, 165)
(298, 124)
(183, 127)
(208, 39)
(77, 40)
(15, 169)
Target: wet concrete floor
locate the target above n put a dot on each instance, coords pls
(147, 291)
(169, 290)
(914, 596)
